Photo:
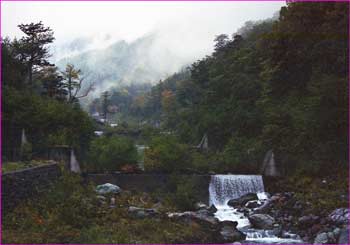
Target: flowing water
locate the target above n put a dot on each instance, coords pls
(223, 188)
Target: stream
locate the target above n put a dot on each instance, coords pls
(223, 188)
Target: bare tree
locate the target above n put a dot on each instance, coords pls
(73, 82)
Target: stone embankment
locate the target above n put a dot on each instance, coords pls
(22, 184)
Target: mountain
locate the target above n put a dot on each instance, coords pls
(145, 60)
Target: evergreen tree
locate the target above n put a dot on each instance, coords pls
(32, 48)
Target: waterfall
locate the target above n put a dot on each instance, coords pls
(222, 188)
(74, 165)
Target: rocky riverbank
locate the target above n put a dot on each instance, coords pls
(289, 218)
(295, 216)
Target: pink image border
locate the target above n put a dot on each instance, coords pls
(144, 1)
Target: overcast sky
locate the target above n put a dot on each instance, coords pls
(192, 23)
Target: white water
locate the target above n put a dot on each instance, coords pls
(223, 188)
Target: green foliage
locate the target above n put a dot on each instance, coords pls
(202, 162)
(181, 195)
(281, 84)
(31, 48)
(71, 213)
(304, 97)
(111, 153)
(13, 166)
(34, 98)
(184, 197)
(46, 121)
(26, 151)
(166, 154)
(241, 155)
(320, 194)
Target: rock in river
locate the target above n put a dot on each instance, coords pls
(241, 201)
(321, 238)
(344, 236)
(340, 216)
(230, 234)
(203, 217)
(261, 221)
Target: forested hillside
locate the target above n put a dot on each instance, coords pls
(40, 103)
(277, 84)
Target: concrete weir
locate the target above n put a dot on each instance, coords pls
(150, 182)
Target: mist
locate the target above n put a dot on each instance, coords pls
(182, 32)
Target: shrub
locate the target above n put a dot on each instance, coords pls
(111, 153)
(184, 196)
(167, 154)
(181, 195)
(241, 155)
(204, 162)
(46, 121)
(26, 152)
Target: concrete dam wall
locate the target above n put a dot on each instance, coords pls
(150, 182)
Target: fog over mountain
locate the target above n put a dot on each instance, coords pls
(132, 42)
(144, 60)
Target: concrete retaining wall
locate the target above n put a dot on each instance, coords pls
(153, 182)
(22, 184)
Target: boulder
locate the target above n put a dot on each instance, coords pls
(321, 238)
(228, 223)
(252, 204)
(234, 203)
(307, 221)
(344, 236)
(108, 188)
(112, 202)
(265, 207)
(241, 201)
(230, 234)
(212, 209)
(329, 237)
(200, 205)
(340, 216)
(261, 221)
(157, 206)
(142, 212)
(101, 200)
(202, 217)
(336, 232)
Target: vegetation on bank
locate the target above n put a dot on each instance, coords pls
(40, 99)
(14, 166)
(71, 213)
(323, 194)
(108, 154)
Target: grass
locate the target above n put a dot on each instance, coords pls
(71, 213)
(14, 166)
(322, 193)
